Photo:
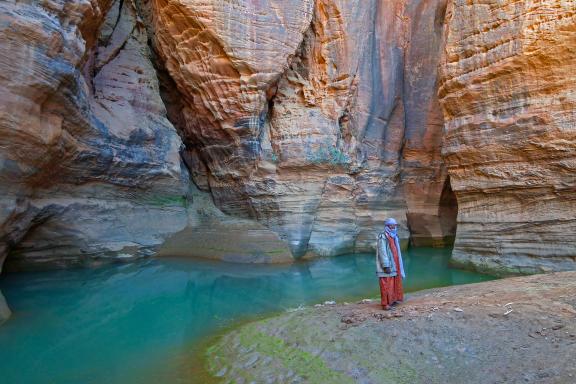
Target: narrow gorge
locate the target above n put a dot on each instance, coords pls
(295, 119)
(277, 131)
(308, 122)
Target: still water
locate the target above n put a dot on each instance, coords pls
(144, 322)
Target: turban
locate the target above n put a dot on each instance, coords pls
(390, 221)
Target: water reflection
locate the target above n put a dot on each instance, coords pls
(4, 310)
(139, 322)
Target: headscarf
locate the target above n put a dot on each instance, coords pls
(389, 231)
(390, 221)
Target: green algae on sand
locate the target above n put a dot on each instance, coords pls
(523, 328)
(309, 367)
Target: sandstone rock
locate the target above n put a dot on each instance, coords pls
(89, 162)
(90, 165)
(310, 116)
(212, 234)
(308, 121)
(431, 205)
(508, 97)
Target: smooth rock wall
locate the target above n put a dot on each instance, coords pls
(212, 234)
(509, 98)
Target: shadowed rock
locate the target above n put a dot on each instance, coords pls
(84, 138)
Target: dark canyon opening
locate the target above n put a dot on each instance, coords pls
(437, 227)
(448, 214)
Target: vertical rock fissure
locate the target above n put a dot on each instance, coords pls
(448, 213)
(190, 153)
(172, 98)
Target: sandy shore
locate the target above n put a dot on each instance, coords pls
(516, 330)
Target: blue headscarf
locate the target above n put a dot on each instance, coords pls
(391, 232)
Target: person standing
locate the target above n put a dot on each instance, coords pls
(389, 265)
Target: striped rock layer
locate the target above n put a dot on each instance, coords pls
(263, 131)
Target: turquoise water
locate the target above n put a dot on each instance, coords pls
(143, 322)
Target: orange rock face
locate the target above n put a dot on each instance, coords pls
(508, 95)
(308, 122)
(90, 166)
(318, 118)
(89, 163)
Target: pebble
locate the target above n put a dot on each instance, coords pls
(251, 360)
(458, 309)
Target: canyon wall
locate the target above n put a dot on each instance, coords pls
(318, 119)
(89, 162)
(263, 131)
(307, 122)
(509, 98)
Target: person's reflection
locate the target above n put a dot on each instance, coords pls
(4, 309)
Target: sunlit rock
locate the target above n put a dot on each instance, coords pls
(308, 122)
(318, 119)
(507, 91)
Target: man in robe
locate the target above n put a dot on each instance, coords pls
(389, 266)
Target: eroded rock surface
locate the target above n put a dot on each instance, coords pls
(509, 98)
(91, 167)
(316, 118)
(89, 161)
(307, 121)
(523, 329)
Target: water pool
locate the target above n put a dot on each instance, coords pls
(143, 322)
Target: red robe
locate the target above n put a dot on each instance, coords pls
(391, 287)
